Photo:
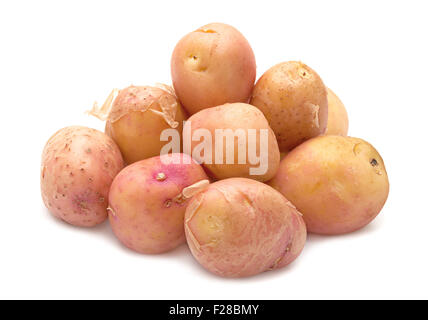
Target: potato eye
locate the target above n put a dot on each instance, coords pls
(373, 162)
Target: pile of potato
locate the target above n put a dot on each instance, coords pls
(236, 224)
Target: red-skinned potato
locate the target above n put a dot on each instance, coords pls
(338, 183)
(241, 227)
(293, 99)
(148, 199)
(211, 66)
(136, 117)
(78, 167)
(337, 116)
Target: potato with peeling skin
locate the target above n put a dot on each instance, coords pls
(78, 167)
(137, 117)
(147, 204)
(337, 116)
(338, 183)
(236, 117)
(211, 66)
(240, 227)
(293, 99)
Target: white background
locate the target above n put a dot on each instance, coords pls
(58, 57)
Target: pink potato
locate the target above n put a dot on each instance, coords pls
(338, 122)
(147, 202)
(78, 167)
(213, 65)
(240, 227)
(338, 183)
(137, 116)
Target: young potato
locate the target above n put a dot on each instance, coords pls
(240, 227)
(211, 66)
(147, 202)
(337, 123)
(78, 167)
(293, 99)
(137, 116)
(338, 183)
(236, 159)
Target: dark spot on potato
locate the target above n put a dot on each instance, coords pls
(373, 162)
(168, 203)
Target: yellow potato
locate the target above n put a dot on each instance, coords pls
(338, 183)
(235, 118)
(136, 118)
(337, 116)
(293, 99)
(211, 66)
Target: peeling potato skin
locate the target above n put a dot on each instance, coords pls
(240, 227)
(211, 66)
(137, 133)
(293, 99)
(339, 184)
(235, 116)
(77, 169)
(145, 213)
(338, 122)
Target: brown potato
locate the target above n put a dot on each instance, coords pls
(338, 183)
(293, 99)
(337, 116)
(211, 66)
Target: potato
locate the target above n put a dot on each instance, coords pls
(211, 66)
(293, 99)
(239, 227)
(137, 117)
(78, 167)
(338, 183)
(235, 121)
(147, 202)
(337, 123)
